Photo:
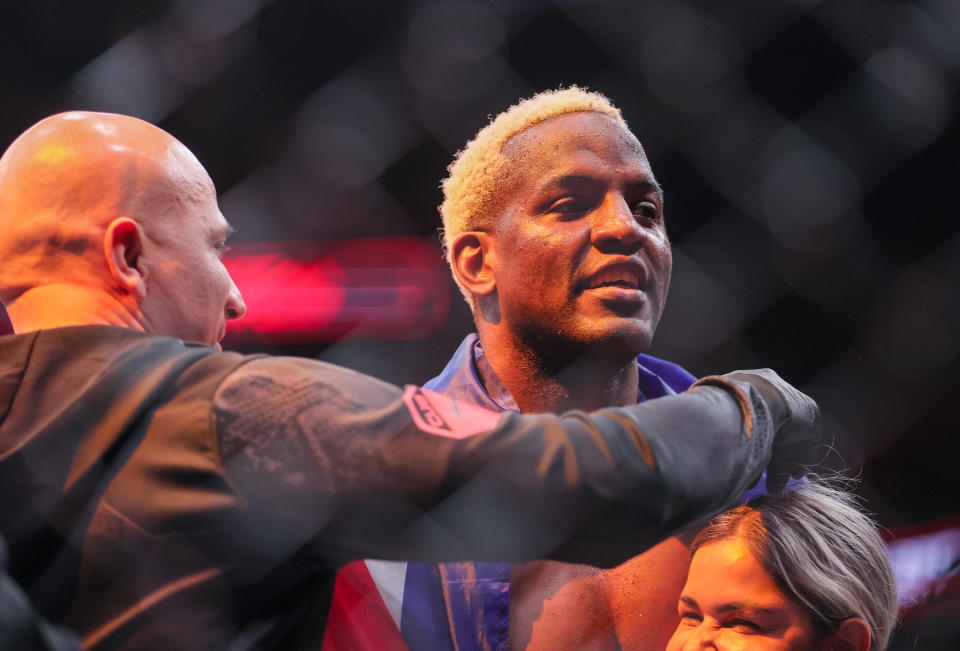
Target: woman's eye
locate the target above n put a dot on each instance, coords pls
(744, 625)
(690, 617)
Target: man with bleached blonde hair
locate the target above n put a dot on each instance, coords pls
(481, 174)
(554, 229)
(161, 493)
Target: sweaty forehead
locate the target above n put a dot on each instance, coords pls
(587, 144)
(552, 141)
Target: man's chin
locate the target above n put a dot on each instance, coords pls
(624, 335)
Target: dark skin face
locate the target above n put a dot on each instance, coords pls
(580, 253)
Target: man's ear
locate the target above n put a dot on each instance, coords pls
(472, 254)
(122, 246)
(853, 635)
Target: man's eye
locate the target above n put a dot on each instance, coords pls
(646, 210)
(568, 205)
(221, 248)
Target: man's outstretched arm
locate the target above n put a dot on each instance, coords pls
(326, 455)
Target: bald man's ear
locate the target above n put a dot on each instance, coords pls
(472, 255)
(122, 246)
(853, 635)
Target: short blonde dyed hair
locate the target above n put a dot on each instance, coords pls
(477, 171)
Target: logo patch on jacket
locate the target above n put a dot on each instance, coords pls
(442, 415)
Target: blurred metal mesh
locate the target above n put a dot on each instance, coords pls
(807, 151)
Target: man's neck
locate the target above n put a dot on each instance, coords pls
(62, 305)
(586, 382)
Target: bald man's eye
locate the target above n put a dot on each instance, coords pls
(221, 248)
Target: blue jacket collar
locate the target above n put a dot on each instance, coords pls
(469, 376)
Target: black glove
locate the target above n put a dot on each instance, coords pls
(796, 423)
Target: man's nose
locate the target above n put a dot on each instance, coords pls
(235, 307)
(616, 228)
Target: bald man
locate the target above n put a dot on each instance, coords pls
(85, 201)
(159, 493)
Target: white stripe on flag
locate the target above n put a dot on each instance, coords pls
(389, 577)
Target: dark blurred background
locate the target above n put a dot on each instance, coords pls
(809, 153)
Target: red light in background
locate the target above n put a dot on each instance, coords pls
(315, 292)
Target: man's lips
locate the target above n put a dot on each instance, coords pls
(621, 275)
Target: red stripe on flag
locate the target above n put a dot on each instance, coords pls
(359, 620)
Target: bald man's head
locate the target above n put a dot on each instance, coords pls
(78, 189)
(63, 181)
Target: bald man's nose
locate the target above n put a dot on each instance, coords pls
(235, 307)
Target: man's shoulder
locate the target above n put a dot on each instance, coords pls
(299, 372)
(264, 390)
(101, 343)
(103, 366)
(104, 351)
